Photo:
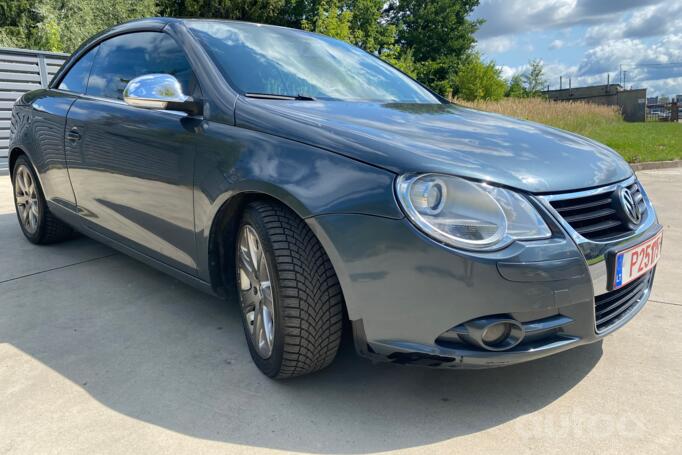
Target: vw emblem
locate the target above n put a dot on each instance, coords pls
(630, 207)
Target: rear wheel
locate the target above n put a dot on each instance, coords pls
(37, 223)
(291, 302)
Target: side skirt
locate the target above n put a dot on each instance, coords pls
(78, 223)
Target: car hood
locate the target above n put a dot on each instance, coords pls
(442, 138)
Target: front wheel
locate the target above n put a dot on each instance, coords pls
(291, 301)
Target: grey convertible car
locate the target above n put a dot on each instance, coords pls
(318, 186)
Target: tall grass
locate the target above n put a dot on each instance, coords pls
(576, 116)
(636, 142)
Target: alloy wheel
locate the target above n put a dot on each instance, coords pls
(26, 196)
(255, 291)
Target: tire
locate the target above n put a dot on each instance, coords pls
(41, 226)
(306, 298)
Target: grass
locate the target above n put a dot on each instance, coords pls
(636, 142)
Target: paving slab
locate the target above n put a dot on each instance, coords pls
(102, 354)
(19, 258)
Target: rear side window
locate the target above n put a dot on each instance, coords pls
(76, 80)
(123, 58)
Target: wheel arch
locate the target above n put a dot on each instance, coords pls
(223, 230)
(222, 237)
(12, 158)
(14, 155)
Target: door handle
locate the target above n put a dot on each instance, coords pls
(73, 135)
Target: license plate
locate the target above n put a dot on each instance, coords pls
(636, 261)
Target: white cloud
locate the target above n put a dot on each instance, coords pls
(672, 86)
(644, 36)
(655, 20)
(642, 61)
(505, 17)
(557, 44)
(508, 71)
(654, 66)
(495, 45)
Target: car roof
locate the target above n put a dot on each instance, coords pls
(168, 20)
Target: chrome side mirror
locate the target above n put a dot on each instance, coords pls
(159, 91)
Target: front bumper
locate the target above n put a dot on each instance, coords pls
(405, 293)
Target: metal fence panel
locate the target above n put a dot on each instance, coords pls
(21, 71)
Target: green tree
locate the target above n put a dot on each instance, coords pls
(62, 25)
(358, 22)
(16, 19)
(266, 11)
(477, 80)
(534, 78)
(401, 59)
(331, 20)
(368, 29)
(439, 34)
(515, 89)
(427, 39)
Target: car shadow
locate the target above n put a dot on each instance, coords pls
(153, 349)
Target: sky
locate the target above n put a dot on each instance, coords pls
(586, 40)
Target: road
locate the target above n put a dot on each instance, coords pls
(101, 354)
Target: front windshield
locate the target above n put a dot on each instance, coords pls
(274, 60)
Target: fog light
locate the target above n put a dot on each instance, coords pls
(493, 333)
(496, 333)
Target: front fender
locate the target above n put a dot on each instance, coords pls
(233, 161)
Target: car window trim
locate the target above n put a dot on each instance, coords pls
(123, 103)
(164, 32)
(96, 41)
(54, 85)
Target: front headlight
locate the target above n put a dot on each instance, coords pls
(466, 214)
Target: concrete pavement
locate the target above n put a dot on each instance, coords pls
(101, 354)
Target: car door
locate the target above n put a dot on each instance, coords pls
(132, 168)
(49, 111)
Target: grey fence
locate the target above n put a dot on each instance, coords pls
(22, 71)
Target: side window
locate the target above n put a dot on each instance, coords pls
(76, 80)
(125, 57)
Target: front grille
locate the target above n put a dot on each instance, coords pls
(596, 217)
(613, 306)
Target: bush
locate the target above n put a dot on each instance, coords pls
(477, 80)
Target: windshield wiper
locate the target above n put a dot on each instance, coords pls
(275, 96)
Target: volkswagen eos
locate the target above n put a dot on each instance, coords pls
(320, 187)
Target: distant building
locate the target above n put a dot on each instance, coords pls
(652, 100)
(632, 102)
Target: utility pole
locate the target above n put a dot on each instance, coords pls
(561, 82)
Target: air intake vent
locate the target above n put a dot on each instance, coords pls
(596, 217)
(615, 305)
